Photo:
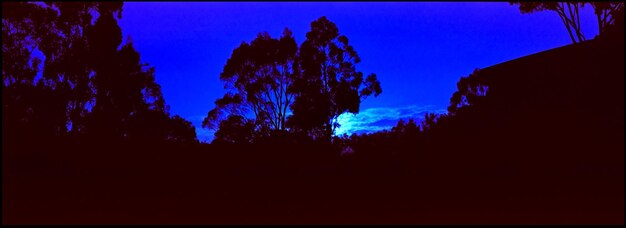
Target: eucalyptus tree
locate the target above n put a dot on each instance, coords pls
(258, 76)
(329, 84)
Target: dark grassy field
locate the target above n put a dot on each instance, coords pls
(208, 185)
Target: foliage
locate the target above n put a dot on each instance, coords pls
(470, 89)
(235, 129)
(567, 11)
(606, 12)
(258, 76)
(317, 82)
(329, 83)
(87, 85)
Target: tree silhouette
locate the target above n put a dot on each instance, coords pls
(410, 127)
(153, 125)
(318, 82)
(104, 39)
(125, 89)
(235, 129)
(258, 76)
(470, 89)
(181, 130)
(429, 122)
(31, 106)
(567, 11)
(606, 12)
(329, 84)
(89, 85)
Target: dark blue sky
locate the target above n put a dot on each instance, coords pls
(418, 50)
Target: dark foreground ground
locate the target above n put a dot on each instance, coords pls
(170, 184)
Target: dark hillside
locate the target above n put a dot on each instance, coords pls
(565, 103)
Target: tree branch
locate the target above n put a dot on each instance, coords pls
(561, 12)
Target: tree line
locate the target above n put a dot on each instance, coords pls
(67, 74)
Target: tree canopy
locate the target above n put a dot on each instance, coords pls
(88, 83)
(606, 12)
(258, 76)
(273, 78)
(329, 84)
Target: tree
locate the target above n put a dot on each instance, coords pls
(470, 89)
(29, 28)
(88, 84)
(606, 12)
(128, 102)
(328, 84)
(154, 125)
(404, 132)
(56, 29)
(402, 128)
(67, 66)
(567, 11)
(615, 30)
(429, 122)
(18, 68)
(104, 38)
(235, 129)
(181, 130)
(258, 76)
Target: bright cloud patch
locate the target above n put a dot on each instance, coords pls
(377, 119)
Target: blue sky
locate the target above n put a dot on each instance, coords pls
(418, 50)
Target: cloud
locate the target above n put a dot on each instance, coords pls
(377, 119)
